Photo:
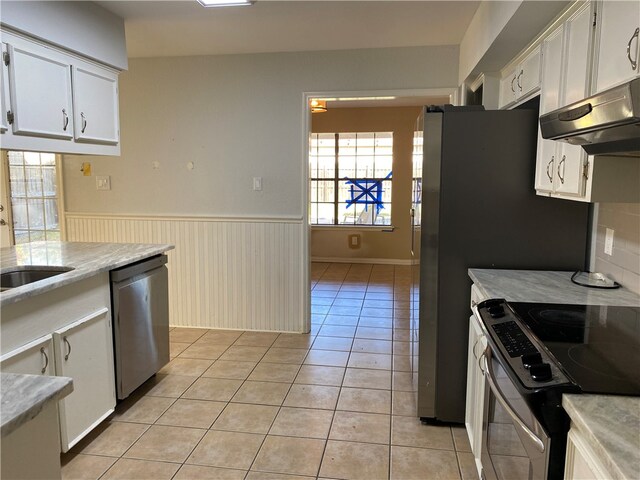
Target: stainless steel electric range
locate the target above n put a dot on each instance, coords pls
(536, 352)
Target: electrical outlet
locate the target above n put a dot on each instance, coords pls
(608, 241)
(354, 241)
(103, 182)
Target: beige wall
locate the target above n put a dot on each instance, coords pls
(332, 242)
(234, 117)
(624, 265)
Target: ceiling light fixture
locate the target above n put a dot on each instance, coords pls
(226, 3)
(318, 106)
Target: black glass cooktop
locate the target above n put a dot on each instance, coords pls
(598, 346)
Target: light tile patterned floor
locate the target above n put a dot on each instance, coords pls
(338, 403)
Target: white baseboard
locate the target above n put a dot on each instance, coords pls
(377, 261)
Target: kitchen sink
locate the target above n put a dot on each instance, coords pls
(25, 275)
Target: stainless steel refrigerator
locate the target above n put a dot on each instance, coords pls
(474, 206)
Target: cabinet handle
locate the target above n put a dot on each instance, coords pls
(550, 165)
(634, 64)
(64, 339)
(513, 80)
(473, 350)
(65, 120)
(518, 79)
(84, 122)
(46, 360)
(564, 157)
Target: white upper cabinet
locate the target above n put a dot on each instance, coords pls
(4, 125)
(528, 76)
(618, 51)
(54, 101)
(40, 92)
(95, 98)
(507, 89)
(578, 52)
(562, 169)
(552, 48)
(520, 82)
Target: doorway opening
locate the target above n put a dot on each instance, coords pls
(358, 176)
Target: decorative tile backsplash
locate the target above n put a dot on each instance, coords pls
(624, 265)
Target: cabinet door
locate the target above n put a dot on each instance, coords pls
(581, 463)
(551, 71)
(528, 76)
(545, 164)
(4, 125)
(34, 358)
(475, 387)
(619, 24)
(40, 93)
(84, 352)
(95, 100)
(579, 32)
(570, 178)
(508, 89)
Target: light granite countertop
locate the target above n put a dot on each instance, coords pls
(611, 426)
(546, 287)
(24, 397)
(86, 259)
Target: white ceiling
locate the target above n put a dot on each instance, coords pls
(178, 28)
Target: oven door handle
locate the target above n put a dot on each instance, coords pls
(486, 359)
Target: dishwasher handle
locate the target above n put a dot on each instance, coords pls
(138, 268)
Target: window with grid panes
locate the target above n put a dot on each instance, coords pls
(34, 196)
(416, 188)
(351, 178)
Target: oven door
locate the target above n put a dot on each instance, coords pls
(514, 444)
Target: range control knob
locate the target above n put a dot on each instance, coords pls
(531, 359)
(540, 372)
(496, 311)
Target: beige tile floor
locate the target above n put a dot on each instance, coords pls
(335, 404)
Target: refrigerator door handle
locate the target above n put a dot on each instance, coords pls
(412, 214)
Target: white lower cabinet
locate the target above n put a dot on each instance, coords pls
(66, 332)
(475, 387)
(475, 383)
(84, 352)
(581, 463)
(34, 358)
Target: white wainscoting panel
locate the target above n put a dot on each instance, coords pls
(224, 273)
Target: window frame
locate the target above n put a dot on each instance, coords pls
(59, 185)
(336, 179)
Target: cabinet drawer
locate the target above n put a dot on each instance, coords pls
(34, 358)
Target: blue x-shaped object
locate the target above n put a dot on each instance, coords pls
(366, 192)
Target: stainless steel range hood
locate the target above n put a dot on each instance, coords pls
(606, 123)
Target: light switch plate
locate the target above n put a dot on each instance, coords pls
(257, 183)
(103, 182)
(608, 242)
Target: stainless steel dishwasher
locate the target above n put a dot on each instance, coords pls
(140, 300)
